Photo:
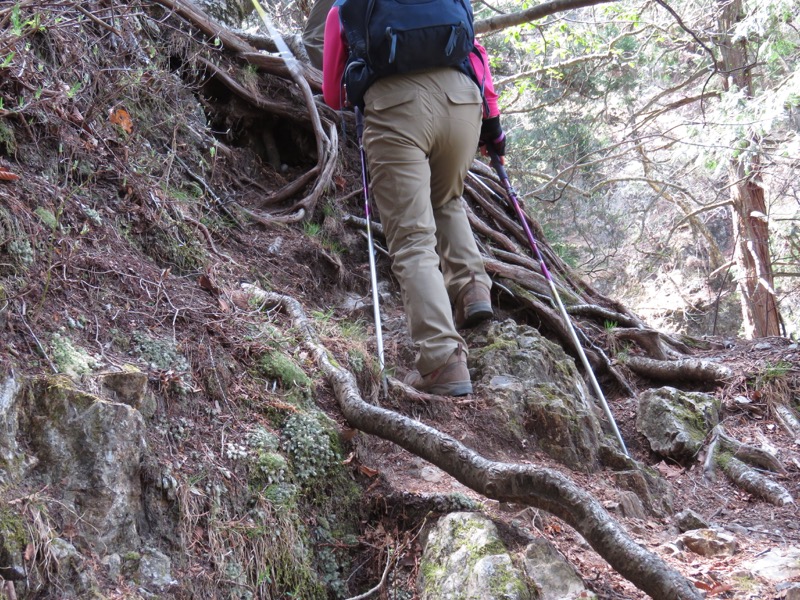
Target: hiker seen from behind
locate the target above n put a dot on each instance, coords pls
(425, 89)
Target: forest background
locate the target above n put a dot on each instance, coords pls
(657, 145)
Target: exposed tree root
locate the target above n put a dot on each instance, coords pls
(232, 41)
(324, 130)
(755, 483)
(787, 418)
(687, 369)
(537, 487)
(750, 454)
(740, 474)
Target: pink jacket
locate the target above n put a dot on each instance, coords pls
(334, 58)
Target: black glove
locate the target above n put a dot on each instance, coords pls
(492, 136)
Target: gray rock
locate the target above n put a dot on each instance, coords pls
(63, 552)
(687, 520)
(155, 571)
(709, 542)
(555, 578)
(793, 592)
(654, 492)
(631, 505)
(675, 422)
(128, 387)
(538, 393)
(779, 564)
(91, 448)
(113, 562)
(9, 455)
(465, 559)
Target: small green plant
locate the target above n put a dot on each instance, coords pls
(22, 252)
(69, 359)
(353, 330)
(311, 229)
(323, 316)
(777, 370)
(8, 141)
(357, 360)
(308, 443)
(47, 217)
(772, 372)
(610, 325)
(162, 355)
(278, 365)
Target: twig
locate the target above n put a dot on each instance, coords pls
(380, 584)
(97, 20)
(207, 235)
(36, 339)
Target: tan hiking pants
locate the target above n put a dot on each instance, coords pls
(420, 135)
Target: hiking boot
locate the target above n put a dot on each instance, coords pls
(451, 379)
(473, 305)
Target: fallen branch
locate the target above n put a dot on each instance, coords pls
(525, 484)
(786, 417)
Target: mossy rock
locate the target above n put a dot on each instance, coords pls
(538, 394)
(465, 559)
(676, 423)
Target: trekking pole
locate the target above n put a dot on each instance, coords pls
(372, 270)
(501, 173)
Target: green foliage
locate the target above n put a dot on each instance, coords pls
(163, 355)
(772, 372)
(276, 364)
(312, 229)
(308, 440)
(70, 359)
(8, 141)
(22, 252)
(47, 217)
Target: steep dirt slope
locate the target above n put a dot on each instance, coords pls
(132, 191)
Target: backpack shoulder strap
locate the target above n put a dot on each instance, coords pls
(468, 69)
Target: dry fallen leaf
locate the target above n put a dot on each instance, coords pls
(208, 285)
(368, 471)
(119, 116)
(7, 175)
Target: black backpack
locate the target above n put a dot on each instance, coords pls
(388, 37)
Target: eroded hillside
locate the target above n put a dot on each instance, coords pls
(170, 432)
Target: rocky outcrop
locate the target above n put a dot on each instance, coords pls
(91, 448)
(464, 558)
(538, 393)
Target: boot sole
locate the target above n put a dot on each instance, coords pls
(454, 388)
(476, 313)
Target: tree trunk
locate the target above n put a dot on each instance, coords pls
(752, 255)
